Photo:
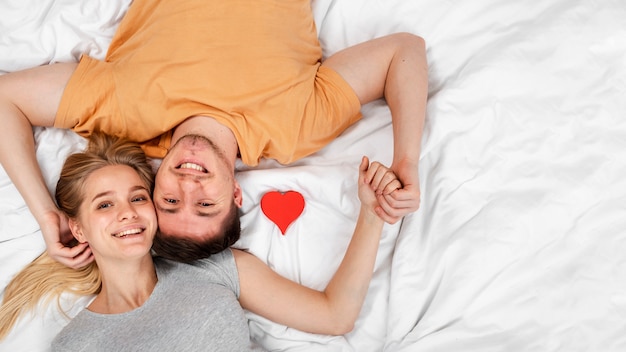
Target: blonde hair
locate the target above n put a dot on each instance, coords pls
(45, 279)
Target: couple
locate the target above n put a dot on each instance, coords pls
(245, 75)
(151, 303)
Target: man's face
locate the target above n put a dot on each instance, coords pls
(194, 189)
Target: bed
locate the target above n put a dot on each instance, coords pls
(520, 240)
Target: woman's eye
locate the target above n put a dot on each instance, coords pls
(139, 199)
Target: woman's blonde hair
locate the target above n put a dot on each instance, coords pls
(45, 279)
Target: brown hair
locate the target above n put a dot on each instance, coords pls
(187, 250)
(45, 279)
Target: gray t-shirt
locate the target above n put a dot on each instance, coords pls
(192, 308)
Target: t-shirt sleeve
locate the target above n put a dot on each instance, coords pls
(223, 266)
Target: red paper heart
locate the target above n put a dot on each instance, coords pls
(282, 208)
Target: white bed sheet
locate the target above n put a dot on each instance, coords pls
(520, 239)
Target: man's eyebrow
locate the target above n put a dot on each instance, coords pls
(176, 210)
(208, 215)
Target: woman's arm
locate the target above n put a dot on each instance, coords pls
(31, 98)
(335, 310)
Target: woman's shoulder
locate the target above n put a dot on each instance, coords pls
(219, 268)
(222, 259)
(83, 331)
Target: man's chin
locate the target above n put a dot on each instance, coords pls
(188, 143)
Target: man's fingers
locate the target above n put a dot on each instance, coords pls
(388, 208)
(83, 259)
(72, 252)
(386, 217)
(397, 208)
(73, 257)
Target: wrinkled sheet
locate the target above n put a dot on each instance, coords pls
(520, 240)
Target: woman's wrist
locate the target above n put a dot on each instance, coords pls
(369, 217)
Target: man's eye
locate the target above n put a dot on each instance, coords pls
(205, 204)
(171, 201)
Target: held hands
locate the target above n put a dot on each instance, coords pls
(396, 190)
(59, 241)
(375, 181)
(407, 198)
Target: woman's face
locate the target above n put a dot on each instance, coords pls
(117, 217)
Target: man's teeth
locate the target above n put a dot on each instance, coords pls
(192, 166)
(127, 232)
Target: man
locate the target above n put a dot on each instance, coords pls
(202, 83)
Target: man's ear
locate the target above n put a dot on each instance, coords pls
(76, 230)
(238, 195)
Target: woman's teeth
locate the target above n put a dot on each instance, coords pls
(127, 232)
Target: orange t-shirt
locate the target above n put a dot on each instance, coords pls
(252, 65)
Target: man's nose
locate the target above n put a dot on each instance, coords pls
(188, 184)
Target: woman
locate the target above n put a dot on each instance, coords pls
(159, 304)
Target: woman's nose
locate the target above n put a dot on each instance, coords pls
(127, 212)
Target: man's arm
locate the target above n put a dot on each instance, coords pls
(393, 67)
(31, 98)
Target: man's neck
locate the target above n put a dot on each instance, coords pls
(208, 127)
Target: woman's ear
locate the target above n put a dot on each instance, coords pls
(76, 230)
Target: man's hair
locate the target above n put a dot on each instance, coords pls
(186, 250)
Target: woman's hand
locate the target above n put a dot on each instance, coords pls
(376, 184)
(60, 243)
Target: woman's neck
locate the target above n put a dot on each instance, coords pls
(125, 286)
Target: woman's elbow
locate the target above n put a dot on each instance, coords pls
(339, 326)
(344, 328)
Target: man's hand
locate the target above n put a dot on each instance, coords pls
(60, 243)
